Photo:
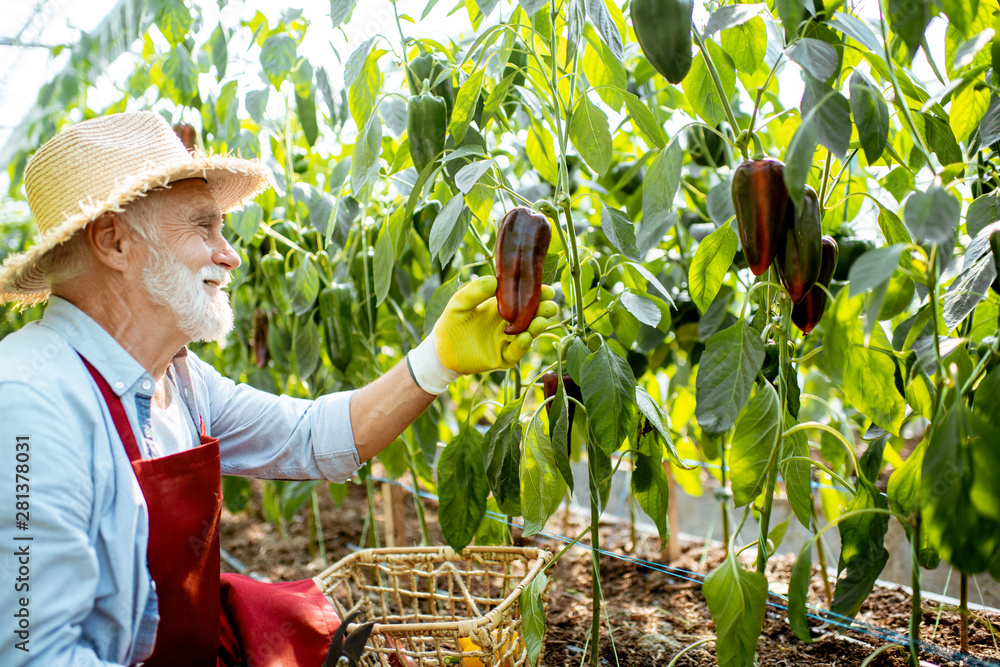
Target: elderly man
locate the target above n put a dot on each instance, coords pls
(115, 434)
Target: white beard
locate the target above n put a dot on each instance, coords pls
(200, 315)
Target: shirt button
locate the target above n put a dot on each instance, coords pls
(145, 384)
(119, 385)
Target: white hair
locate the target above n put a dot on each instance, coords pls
(69, 260)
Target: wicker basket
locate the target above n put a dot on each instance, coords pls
(434, 607)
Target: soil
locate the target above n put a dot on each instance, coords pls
(653, 614)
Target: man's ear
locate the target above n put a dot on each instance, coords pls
(111, 241)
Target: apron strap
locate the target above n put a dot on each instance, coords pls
(118, 415)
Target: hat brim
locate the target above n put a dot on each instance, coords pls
(232, 181)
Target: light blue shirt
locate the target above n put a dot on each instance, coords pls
(90, 599)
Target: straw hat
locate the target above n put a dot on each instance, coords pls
(102, 164)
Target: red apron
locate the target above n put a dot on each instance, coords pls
(202, 624)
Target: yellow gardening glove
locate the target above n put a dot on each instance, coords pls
(469, 337)
(469, 334)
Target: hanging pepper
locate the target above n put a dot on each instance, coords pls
(258, 341)
(850, 250)
(423, 219)
(426, 127)
(663, 28)
(807, 314)
(186, 133)
(800, 251)
(429, 67)
(761, 201)
(335, 304)
(550, 385)
(369, 306)
(522, 241)
(706, 148)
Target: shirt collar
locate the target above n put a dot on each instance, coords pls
(112, 361)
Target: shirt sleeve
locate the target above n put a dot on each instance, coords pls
(277, 437)
(48, 565)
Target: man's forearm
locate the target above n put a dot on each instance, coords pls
(383, 409)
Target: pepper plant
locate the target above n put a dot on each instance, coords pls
(626, 126)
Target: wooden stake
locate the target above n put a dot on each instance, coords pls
(394, 516)
(673, 550)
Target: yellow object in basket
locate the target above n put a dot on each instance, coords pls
(472, 661)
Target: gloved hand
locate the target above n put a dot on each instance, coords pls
(469, 337)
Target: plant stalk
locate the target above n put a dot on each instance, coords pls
(772, 463)
(915, 603)
(595, 590)
(963, 609)
(725, 513)
(319, 528)
(718, 89)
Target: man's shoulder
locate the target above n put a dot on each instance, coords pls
(36, 354)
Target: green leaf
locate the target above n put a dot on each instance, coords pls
(700, 89)
(559, 433)
(219, 49)
(656, 419)
(600, 17)
(711, 262)
(469, 175)
(365, 158)
(857, 29)
(756, 435)
(465, 104)
(798, 594)
(643, 121)
(968, 108)
(832, 115)
(603, 70)
(356, 61)
(532, 607)
(871, 115)
(908, 19)
(862, 552)
(609, 395)
(965, 536)
(235, 492)
(364, 88)
(305, 346)
(932, 215)
(540, 150)
(791, 13)
(305, 103)
(731, 16)
(174, 20)
(799, 157)
(983, 211)
(797, 475)
(588, 129)
(726, 373)
(576, 354)
(815, 56)
(247, 222)
(304, 286)
(619, 230)
(874, 268)
(542, 485)
(444, 228)
(383, 266)
(462, 487)
(277, 57)
(746, 44)
(256, 102)
(340, 10)
(180, 76)
(904, 498)
(960, 13)
(641, 307)
(737, 600)
(502, 458)
(660, 184)
(651, 488)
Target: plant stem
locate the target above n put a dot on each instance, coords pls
(418, 504)
(370, 488)
(575, 273)
(915, 603)
(723, 98)
(821, 557)
(725, 513)
(319, 528)
(772, 463)
(963, 609)
(595, 584)
(827, 168)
